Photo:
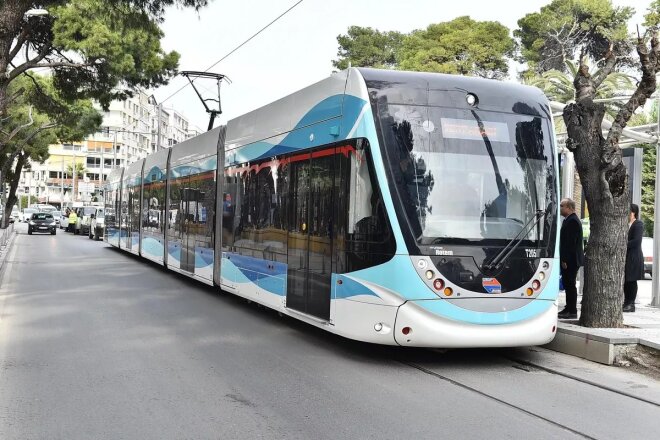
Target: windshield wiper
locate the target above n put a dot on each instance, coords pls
(512, 245)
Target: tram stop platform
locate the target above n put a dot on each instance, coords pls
(636, 343)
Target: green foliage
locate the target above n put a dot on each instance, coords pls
(652, 17)
(564, 28)
(367, 47)
(39, 117)
(648, 190)
(120, 50)
(461, 46)
(558, 86)
(647, 207)
(80, 170)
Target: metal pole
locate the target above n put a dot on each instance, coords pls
(114, 150)
(74, 171)
(62, 187)
(102, 179)
(160, 111)
(655, 301)
(29, 188)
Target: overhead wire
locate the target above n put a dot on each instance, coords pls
(237, 47)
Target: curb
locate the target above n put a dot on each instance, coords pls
(4, 250)
(597, 345)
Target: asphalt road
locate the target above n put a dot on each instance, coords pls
(95, 344)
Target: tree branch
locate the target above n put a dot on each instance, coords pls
(604, 72)
(30, 63)
(644, 90)
(51, 65)
(22, 38)
(16, 130)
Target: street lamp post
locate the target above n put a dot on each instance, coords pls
(62, 185)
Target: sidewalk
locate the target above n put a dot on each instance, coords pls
(614, 345)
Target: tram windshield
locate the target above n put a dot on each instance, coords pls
(469, 175)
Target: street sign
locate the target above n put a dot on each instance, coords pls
(86, 188)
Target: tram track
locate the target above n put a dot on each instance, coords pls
(494, 398)
(581, 380)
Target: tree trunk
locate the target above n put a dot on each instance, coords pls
(13, 186)
(605, 187)
(11, 15)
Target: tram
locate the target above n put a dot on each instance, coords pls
(396, 208)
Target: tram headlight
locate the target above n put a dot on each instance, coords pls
(536, 284)
(448, 291)
(471, 99)
(438, 284)
(529, 291)
(546, 265)
(429, 274)
(541, 276)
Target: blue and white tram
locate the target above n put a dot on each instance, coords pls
(390, 207)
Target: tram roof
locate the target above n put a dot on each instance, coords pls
(437, 89)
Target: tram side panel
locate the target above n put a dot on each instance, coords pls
(296, 226)
(154, 203)
(112, 196)
(191, 218)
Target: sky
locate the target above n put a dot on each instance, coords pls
(298, 49)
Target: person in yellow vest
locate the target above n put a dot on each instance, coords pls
(73, 219)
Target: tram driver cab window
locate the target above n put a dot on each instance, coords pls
(367, 225)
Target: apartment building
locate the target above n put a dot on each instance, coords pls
(129, 132)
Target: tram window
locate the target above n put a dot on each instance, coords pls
(366, 214)
(253, 206)
(363, 235)
(202, 209)
(153, 206)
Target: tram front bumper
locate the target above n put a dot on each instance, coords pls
(418, 327)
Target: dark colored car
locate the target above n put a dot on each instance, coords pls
(42, 222)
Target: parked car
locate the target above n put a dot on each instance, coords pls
(97, 224)
(15, 215)
(647, 250)
(84, 220)
(57, 215)
(42, 222)
(64, 220)
(26, 214)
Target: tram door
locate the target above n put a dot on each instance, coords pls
(189, 202)
(310, 213)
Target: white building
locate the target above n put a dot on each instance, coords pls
(129, 132)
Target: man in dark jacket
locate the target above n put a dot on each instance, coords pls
(634, 259)
(570, 255)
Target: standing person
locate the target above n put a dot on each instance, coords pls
(73, 219)
(570, 255)
(634, 259)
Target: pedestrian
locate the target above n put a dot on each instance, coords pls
(73, 219)
(571, 255)
(634, 259)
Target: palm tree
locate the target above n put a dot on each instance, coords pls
(558, 86)
(80, 171)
